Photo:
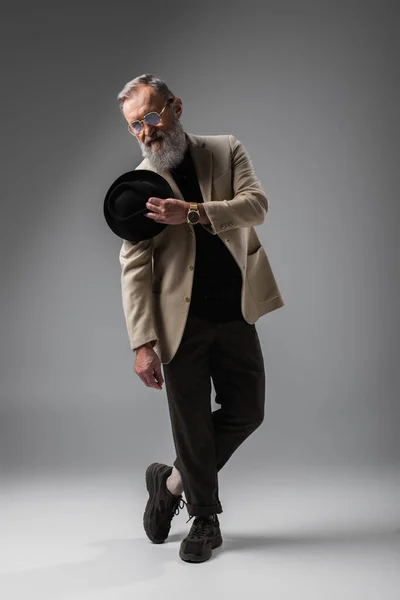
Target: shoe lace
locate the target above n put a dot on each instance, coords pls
(174, 505)
(180, 505)
(172, 508)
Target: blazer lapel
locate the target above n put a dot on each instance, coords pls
(202, 159)
(167, 175)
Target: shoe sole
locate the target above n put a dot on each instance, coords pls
(215, 542)
(151, 485)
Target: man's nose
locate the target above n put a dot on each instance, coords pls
(148, 130)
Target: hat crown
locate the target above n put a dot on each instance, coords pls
(125, 204)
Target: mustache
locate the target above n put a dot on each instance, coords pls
(148, 141)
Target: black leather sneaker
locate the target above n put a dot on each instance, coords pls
(161, 505)
(203, 536)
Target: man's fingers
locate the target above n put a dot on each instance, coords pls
(158, 375)
(150, 380)
(149, 371)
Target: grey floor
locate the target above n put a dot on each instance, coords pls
(286, 536)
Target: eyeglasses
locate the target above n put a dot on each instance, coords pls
(152, 118)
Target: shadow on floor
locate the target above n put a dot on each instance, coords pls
(124, 562)
(314, 539)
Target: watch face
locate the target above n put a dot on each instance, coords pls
(193, 216)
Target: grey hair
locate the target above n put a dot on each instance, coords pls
(147, 79)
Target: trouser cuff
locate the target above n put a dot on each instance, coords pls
(204, 511)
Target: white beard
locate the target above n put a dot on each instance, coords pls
(171, 150)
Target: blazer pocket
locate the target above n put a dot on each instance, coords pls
(222, 186)
(260, 278)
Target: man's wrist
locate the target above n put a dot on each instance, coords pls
(203, 215)
(146, 345)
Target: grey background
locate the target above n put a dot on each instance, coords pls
(311, 89)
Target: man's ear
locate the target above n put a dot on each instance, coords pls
(177, 107)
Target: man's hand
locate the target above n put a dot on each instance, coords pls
(148, 367)
(170, 211)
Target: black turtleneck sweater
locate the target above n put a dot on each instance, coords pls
(217, 283)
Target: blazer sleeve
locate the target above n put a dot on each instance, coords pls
(249, 205)
(136, 285)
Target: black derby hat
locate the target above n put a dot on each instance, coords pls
(125, 204)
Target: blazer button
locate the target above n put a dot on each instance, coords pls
(187, 299)
(191, 267)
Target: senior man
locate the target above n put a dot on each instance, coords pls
(191, 297)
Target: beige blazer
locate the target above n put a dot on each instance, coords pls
(157, 274)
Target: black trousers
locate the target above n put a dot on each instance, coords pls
(229, 353)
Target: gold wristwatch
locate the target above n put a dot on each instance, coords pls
(193, 215)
